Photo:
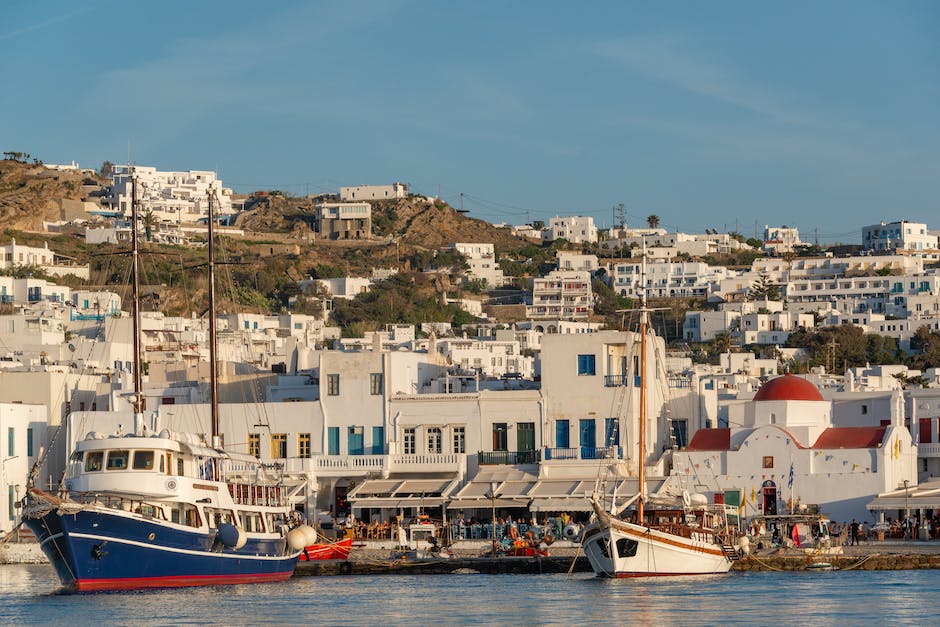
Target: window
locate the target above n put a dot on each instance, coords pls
(460, 439)
(680, 433)
(332, 384)
(525, 436)
(375, 383)
(29, 442)
(586, 365)
(117, 460)
(562, 433)
(435, 445)
(143, 460)
(11, 442)
(278, 445)
(254, 444)
(864, 409)
(332, 436)
(409, 441)
(500, 436)
(611, 432)
(303, 445)
(93, 461)
(768, 461)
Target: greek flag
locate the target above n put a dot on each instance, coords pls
(790, 480)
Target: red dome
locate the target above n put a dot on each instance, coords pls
(788, 388)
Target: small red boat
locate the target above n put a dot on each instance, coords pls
(338, 550)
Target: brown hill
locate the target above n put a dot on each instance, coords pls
(31, 193)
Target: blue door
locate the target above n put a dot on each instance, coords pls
(588, 438)
(378, 440)
(354, 441)
(562, 435)
(332, 440)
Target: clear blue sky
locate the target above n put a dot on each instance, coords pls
(823, 115)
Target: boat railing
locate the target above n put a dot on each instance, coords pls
(127, 504)
(258, 495)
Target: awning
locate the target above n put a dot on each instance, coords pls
(923, 496)
(398, 493)
(561, 505)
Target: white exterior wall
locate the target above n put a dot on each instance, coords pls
(562, 294)
(174, 197)
(373, 192)
(27, 425)
(575, 229)
(901, 235)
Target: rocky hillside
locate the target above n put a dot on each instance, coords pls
(31, 193)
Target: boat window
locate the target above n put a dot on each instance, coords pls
(185, 514)
(162, 460)
(218, 516)
(117, 460)
(76, 456)
(179, 467)
(626, 547)
(143, 460)
(251, 522)
(93, 461)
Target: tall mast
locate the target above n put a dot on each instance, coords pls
(644, 322)
(213, 364)
(135, 297)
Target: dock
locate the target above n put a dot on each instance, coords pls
(446, 566)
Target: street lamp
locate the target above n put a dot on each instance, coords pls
(492, 495)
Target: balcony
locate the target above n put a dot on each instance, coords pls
(428, 462)
(582, 453)
(618, 380)
(508, 458)
(336, 465)
(928, 450)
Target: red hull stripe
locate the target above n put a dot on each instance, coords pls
(176, 581)
(635, 575)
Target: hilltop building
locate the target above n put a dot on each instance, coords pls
(482, 261)
(898, 235)
(781, 239)
(174, 197)
(575, 229)
(360, 193)
(344, 220)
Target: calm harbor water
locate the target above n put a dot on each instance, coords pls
(28, 596)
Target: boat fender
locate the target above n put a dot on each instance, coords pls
(571, 532)
(297, 538)
(686, 498)
(310, 534)
(231, 536)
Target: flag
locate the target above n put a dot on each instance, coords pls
(897, 448)
(796, 536)
(790, 480)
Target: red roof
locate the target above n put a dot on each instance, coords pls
(788, 388)
(850, 437)
(710, 440)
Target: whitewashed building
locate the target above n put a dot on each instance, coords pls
(898, 235)
(14, 255)
(174, 197)
(575, 229)
(22, 439)
(565, 295)
(781, 239)
(358, 193)
(481, 258)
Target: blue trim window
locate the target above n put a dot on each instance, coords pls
(586, 366)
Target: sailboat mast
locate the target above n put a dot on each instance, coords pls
(135, 297)
(213, 362)
(641, 458)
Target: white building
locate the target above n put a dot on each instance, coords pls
(373, 192)
(341, 287)
(770, 328)
(568, 260)
(22, 439)
(563, 295)
(783, 451)
(15, 255)
(481, 258)
(667, 279)
(781, 239)
(575, 229)
(29, 290)
(174, 197)
(898, 235)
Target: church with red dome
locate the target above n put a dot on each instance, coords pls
(780, 451)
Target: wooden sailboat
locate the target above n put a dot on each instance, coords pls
(686, 539)
(155, 508)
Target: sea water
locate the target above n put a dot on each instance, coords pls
(29, 595)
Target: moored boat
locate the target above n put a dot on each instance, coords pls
(162, 509)
(325, 550)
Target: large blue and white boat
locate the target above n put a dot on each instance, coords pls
(159, 509)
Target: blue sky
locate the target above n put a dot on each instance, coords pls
(823, 115)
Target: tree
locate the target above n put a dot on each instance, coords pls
(107, 169)
(764, 289)
(653, 221)
(753, 242)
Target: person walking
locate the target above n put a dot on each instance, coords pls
(854, 531)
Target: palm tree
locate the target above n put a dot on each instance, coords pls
(149, 221)
(653, 221)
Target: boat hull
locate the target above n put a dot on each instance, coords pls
(338, 550)
(621, 549)
(98, 550)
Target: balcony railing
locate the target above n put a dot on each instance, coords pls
(490, 458)
(928, 450)
(582, 453)
(618, 380)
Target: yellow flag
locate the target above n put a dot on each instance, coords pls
(897, 448)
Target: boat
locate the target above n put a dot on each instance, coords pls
(153, 508)
(326, 550)
(688, 539)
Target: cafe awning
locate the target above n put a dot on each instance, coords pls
(396, 493)
(923, 496)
